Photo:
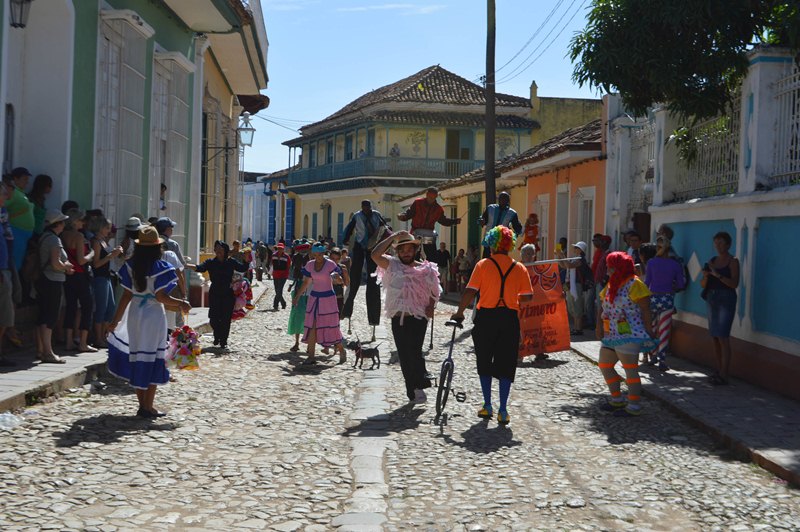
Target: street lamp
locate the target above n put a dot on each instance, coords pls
(20, 9)
(245, 130)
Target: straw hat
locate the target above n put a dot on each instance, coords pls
(148, 236)
(54, 216)
(406, 239)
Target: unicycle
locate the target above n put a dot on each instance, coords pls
(446, 373)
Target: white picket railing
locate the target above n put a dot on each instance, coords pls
(643, 155)
(787, 131)
(715, 169)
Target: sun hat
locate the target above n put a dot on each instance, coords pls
(581, 246)
(148, 236)
(75, 215)
(133, 224)
(54, 216)
(406, 239)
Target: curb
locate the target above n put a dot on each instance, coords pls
(366, 508)
(85, 372)
(740, 448)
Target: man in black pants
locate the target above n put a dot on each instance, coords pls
(365, 227)
(409, 304)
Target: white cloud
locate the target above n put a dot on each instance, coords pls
(408, 9)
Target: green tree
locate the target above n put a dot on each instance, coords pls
(687, 54)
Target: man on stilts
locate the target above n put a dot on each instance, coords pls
(423, 214)
(411, 291)
(366, 228)
(500, 213)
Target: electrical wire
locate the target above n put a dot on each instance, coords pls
(512, 76)
(535, 34)
(288, 119)
(277, 124)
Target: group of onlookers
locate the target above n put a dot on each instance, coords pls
(64, 261)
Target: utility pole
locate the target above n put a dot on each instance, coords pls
(491, 193)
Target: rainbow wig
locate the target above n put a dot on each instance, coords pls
(500, 239)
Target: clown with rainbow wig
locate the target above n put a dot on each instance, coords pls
(502, 283)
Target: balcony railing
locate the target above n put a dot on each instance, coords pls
(715, 168)
(386, 167)
(787, 141)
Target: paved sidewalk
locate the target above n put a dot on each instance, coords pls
(763, 425)
(30, 380)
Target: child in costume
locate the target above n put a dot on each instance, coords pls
(297, 316)
(531, 233)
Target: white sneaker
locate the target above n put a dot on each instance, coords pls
(420, 397)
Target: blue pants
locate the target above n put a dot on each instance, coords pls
(104, 305)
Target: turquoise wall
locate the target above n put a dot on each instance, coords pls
(697, 238)
(171, 34)
(775, 285)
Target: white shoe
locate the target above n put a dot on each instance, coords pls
(420, 397)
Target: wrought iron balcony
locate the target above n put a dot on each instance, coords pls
(384, 167)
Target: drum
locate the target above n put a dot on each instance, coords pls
(427, 236)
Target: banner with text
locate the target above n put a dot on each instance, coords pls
(543, 321)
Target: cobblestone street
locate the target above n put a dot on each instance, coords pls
(253, 441)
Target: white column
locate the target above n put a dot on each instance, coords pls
(201, 43)
(759, 116)
(3, 72)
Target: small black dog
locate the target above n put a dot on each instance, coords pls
(362, 353)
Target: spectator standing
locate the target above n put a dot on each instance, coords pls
(443, 260)
(580, 285)
(78, 286)
(20, 214)
(601, 244)
(104, 255)
(297, 315)
(664, 277)
(340, 284)
(165, 226)
(281, 265)
(6, 286)
(42, 186)
(463, 266)
(720, 281)
(531, 233)
(55, 269)
(138, 343)
(634, 241)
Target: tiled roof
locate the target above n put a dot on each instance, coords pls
(585, 137)
(433, 85)
(422, 118)
(280, 173)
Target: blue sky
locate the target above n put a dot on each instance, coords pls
(325, 53)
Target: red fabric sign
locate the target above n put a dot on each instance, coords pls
(543, 321)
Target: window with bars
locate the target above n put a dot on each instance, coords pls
(120, 118)
(219, 186)
(169, 139)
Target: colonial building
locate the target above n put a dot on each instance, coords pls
(395, 140)
(561, 123)
(116, 98)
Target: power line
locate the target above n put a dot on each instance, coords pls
(512, 75)
(288, 119)
(535, 34)
(277, 124)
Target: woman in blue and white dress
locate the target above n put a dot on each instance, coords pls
(137, 340)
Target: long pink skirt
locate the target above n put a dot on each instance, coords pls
(322, 311)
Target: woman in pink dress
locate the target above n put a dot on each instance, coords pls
(322, 311)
